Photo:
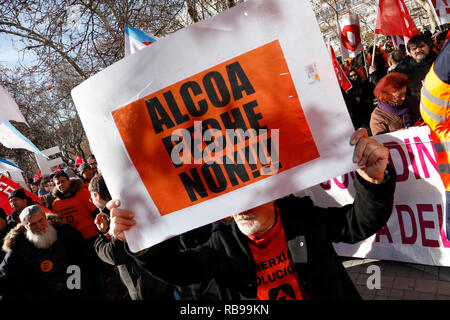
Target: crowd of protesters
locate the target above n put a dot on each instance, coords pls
(70, 244)
(385, 93)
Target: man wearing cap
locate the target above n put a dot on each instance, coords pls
(86, 173)
(46, 259)
(93, 163)
(18, 201)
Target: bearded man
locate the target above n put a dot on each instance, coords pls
(45, 259)
(281, 250)
(417, 65)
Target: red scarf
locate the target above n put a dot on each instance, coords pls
(276, 276)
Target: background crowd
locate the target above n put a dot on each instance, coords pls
(43, 242)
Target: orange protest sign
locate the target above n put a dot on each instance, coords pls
(182, 139)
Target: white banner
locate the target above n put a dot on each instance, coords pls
(442, 10)
(350, 36)
(45, 164)
(245, 68)
(415, 232)
(9, 110)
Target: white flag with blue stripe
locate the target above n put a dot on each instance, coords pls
(6, 165)
(136, 40)
(10, 137)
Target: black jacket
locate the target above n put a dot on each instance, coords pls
(310, 232)
(21, 273)
(416, 71)
(140, 283)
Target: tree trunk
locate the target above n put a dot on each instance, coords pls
(192, 10)
(231, 3)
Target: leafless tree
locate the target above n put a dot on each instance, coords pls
(70, 41)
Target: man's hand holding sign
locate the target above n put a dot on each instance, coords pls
(371, 156)
(239, 120)
(276, 238)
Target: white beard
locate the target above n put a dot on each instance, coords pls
(247, 224)
(43, 241)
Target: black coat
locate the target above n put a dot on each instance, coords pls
(21, 276)
(416, 71)
(310, 232)
(140, 283)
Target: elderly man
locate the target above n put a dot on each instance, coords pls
(280, 250)
(418, 64)
(45, 259)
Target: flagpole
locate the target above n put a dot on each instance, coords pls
(374, 47)
(435, 15)
(375, 37)
(337, 23)
(365, 63)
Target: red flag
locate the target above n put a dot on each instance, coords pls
(58, 168)
(342, 78)
(394, 20)
(35, 178)
(7, 187)
(78, 160)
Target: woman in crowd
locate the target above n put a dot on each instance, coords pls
(395, 109)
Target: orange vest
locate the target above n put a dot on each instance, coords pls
(435, 111)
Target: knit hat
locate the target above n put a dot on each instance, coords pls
(19, 193)
(83, 167)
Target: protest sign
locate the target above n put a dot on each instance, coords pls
(6, 187)
(415, 232)
(46, 164)
(159, 120)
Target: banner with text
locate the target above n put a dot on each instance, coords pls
(6, 187)
(219, 117)
(415, 232)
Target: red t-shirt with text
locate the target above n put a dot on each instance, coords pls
(276, 277)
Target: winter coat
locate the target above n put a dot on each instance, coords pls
(416, 71)
(382, 121)
(76, 209)
(310, 232)
(140, 283)
(30, 273)
(360, 102)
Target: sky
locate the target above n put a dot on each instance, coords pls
(9, 54)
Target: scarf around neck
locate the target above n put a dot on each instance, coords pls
(403, 111)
